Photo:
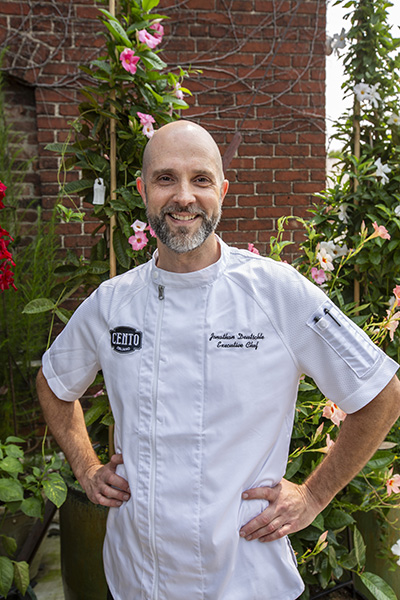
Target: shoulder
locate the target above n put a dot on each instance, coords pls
(115, 292)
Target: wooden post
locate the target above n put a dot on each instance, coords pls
(113, 223)
(357, 152)
(113, 169)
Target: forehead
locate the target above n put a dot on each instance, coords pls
(184, 152)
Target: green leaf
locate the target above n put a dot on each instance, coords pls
(152, 61)
(39, 305)
(121, 246)
(337, 519)
(9, 544)
(15, 440)
(6, 575)
(75, 187)
(21, 576)
(319, 522)
(349, 561)
(148, 5)
(293, 467)
(118, 32)
(11, 490)
(60, 148)
(11, 465)
(97, 410)
(15, 451)
(63, 314)
(55, 489)
(377, 586)
(359, 548)
(379, 461)
(32, 507)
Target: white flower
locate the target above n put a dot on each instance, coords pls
(339, 41)
(367, 93)
(342, 214)
(138, 226)
(362, 91)
(325, 260)
(374, 97)
(394, 119)
(397, 210)
(396, 548)
(333, 249)
(382, 170)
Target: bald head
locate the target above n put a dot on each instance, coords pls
(174, 135)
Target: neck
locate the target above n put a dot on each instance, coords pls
(195, 260)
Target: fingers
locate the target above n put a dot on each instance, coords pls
(107, 488)
(287, 512)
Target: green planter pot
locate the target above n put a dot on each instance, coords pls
(370, 529)
(82, 531)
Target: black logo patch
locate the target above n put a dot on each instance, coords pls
(125, 339)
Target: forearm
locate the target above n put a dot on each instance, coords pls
(67, 424)
(360, 436)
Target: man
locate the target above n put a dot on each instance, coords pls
(201, 351)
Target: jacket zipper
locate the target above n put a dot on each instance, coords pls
(154, 444)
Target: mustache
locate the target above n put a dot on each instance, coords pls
(177, 208)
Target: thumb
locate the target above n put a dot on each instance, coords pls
(116, 460)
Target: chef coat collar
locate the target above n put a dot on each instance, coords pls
(194, 278)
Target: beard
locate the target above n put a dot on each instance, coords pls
(181, 240)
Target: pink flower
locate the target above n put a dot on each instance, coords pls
(392, 323)
(138, 241)
(318, 275)
(178, 92)
(396, 292)
(380, 231)
(329, 444)
(138, 226)
(146, 38)
(151, 231)
(333, 412)
(148, 130)
(393, 483)
(147, 123)
(252, 249)
(144, 118)
(158, 30)
(129, 60)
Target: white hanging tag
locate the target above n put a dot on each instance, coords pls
(99, 191)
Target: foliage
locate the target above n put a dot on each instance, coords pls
(353, 236)
(24, 486)
(23, 337)
(365, 184)
(132, 97)
(332, 546)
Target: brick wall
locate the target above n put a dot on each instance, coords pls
(263, 74)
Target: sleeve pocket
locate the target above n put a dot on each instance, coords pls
(345, 338)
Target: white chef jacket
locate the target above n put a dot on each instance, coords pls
(202, 372)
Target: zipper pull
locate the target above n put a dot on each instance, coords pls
(161, 292)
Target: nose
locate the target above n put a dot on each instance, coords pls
(184, 194)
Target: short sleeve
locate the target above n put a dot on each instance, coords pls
(325, 344)
(71, 363)
(345, 364)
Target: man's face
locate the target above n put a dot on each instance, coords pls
(183, 191)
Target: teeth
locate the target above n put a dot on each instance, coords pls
(180, 217)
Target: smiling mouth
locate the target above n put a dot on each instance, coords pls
(179, 217)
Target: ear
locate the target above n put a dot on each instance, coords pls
(224, 190)
(141, 189)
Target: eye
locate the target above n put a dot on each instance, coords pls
(202, 179)
(164, 178)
